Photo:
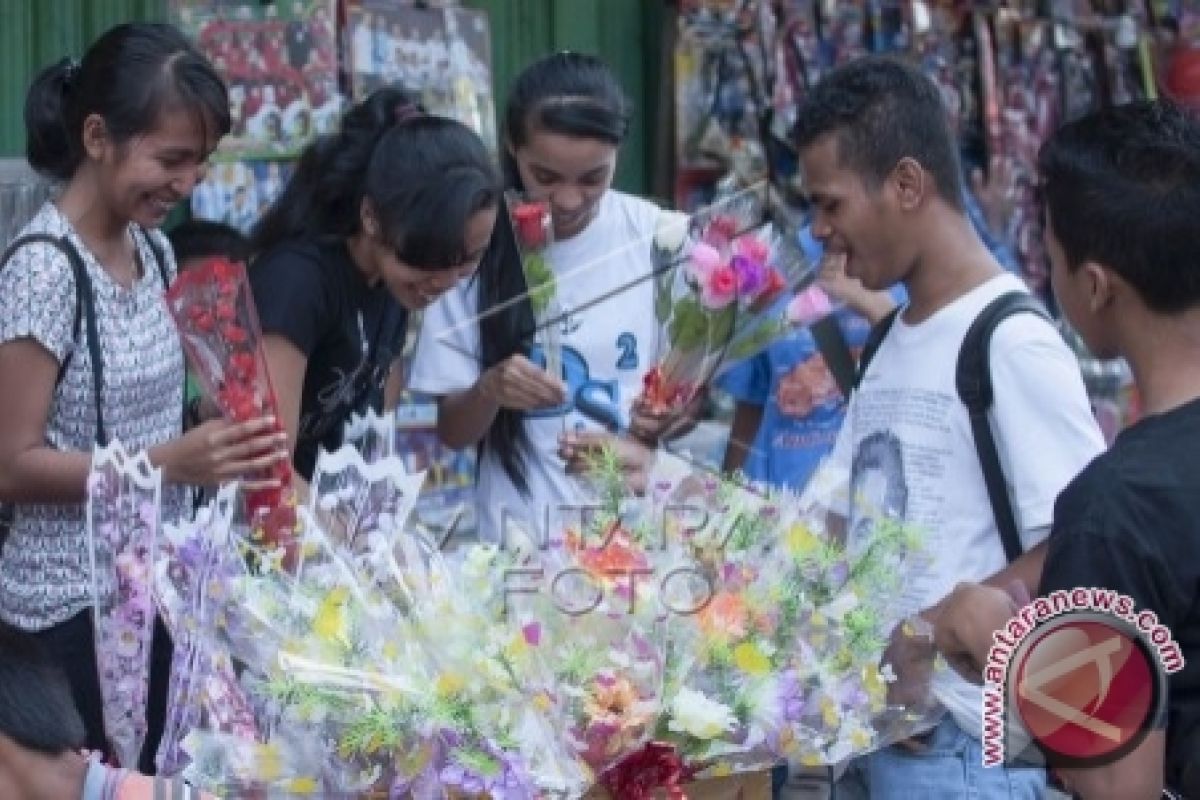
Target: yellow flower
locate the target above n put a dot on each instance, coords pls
(829, 713)
(301, 786)
(860, 739)
(329, 624)
(799, 540)
(449, 684)
(542, 703)
(811, 760)
(268, 764)
(721, 769)
(750, 659)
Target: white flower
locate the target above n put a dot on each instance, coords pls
(696, 715)
(671, 231)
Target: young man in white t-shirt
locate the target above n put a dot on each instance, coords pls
(881, 168)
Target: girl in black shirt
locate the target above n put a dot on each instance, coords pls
(378, 220)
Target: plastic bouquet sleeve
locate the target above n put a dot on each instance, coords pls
(719, 280)
(533, 230)
(797, 653)
(213, 308)
(122, 522)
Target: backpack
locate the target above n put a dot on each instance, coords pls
(85, 315)
(973, 380)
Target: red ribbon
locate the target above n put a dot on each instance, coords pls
(655, 766)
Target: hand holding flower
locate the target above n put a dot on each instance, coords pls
(220, 450)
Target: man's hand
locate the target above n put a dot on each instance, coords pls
(963, 623)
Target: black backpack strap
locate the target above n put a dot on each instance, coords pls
(973, 378)
(160, 258)
(84, 308)
(875, 337)
(831, 343)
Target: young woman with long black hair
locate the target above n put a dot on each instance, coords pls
(564, 124)
(88, 352)
(379, 220)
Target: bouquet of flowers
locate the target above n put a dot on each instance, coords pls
(213, 309)
(534, 231)
(719, 278)
(790, 653)
(122, 523)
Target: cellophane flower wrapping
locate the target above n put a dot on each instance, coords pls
(533, 229)
(795, 653)
(213, 308)
(123, 512)
(195, 564)
(373, 666)
(721, 275)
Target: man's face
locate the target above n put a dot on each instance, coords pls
(850, 218)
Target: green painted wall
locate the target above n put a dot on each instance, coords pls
(626, 33)
(34, 33)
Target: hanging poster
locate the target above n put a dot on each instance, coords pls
(279, 61)
(442, 53)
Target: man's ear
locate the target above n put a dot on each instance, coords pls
(910, 182)
(1100, 284)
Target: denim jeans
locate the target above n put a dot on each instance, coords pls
(950, 766)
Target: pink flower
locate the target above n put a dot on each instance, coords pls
(809, 306)
(753, 248)
(704, 260)
(720, 289)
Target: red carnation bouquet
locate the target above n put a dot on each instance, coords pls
(214, 311)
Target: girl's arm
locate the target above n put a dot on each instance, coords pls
(464, 417)
(31, 471)
(286, 365)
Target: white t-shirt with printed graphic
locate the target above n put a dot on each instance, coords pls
(607, 347)
(908, 445)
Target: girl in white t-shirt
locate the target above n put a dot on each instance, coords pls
(565, 121)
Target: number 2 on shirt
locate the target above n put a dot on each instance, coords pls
(627, 344)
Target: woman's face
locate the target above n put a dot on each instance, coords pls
(145, 177)
(571, 172)
(416, 288)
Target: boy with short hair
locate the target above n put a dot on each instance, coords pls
(881, 168)
(41, 734)
(1122, 194)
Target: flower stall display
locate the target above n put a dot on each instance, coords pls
(213, 308)
(702, 629)
(533, 229)
(122, 514)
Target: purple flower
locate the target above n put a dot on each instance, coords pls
(751, 277)
(851, 694)
(791, 696)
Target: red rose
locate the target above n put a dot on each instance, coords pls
(530, 221)
(234, 334)
(225, 311)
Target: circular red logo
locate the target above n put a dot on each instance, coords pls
(1086, 687)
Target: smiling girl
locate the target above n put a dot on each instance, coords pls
(88, 352)
(564, 124)
(379, 220)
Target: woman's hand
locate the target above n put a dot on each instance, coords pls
(219, 451)
(521, 385)
(580, 449)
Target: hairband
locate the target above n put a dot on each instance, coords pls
(71, 72)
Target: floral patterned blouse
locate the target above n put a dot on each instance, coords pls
(45, 575)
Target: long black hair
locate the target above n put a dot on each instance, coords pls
(424, 175)
(128, 76)
(570, 94)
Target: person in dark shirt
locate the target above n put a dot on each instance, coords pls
(1122, 192)
(378, 220)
